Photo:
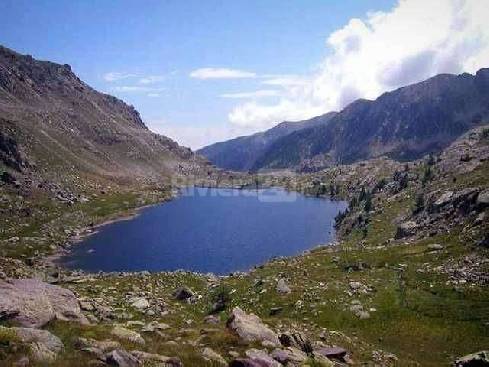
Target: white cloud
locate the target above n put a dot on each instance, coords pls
(136, 89)
(193, 136)
(115, 76)
(221, 73)
(154, 95)
(413, 41)
(285, 80)
(152, 79)
(255, 94)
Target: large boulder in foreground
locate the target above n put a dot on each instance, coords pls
(33, 303)
(250, 328)
(43, 346)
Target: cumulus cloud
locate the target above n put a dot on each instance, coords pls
(152, 79)
(221, 73)
(116, 76)
(253, 95)
(416, 39)
(136, 89)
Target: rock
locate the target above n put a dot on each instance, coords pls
(282, 287)
(435, 247)
(479, 359)
(183, 294)
(262, 357)
(483, 198)
(32, 303)
(157, 359)
(155, 325)
(275, 310)
(139, 303)
(43, 346)
(444, 199)
(406, 229)
(245, 362)
(334, 353)
(126, 334)
(289, 356)
(212, 319)
(212, 356)
(321, 361)
(250, 328)
(121, 358)
(96, 347)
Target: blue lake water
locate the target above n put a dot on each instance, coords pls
(210, 230)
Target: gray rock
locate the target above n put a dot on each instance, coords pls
(183, 294)
(126, 334)
(33, 303)
(139, 303)
(212, 356)
(435, 247)
(483, 198)
(250, 328)
(289, 356)
(475, 359)
(157, 359)
(121, 358)
(43, 345)
(406, 229)
(262, 357)
(282, 287)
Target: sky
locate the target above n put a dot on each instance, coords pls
(205, 71)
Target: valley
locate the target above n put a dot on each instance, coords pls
(404, 283)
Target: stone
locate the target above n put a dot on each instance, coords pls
(245, 362)
(321, 360)
(483, 198)
(96, 347)
(262, 358)
(212, 356)
(43, 346)
(139, 303)
(250, 328)
(334, 353)
(282, 287)
(183, 294)
(275, 310)
(126, 334)
(435, 247)
(157, 359)
(289, 356)
(32, 303)
(121, 358)
(154, 326)
(212, 319)
(406, 229)
(479, 359)
(444, 199)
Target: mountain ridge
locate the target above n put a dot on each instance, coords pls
(403, 124)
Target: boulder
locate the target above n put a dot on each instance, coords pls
(246, 362)
(479, 359)
(212, 356)
(262, 357)
(406, 229)
(156, 359)
(96, 347)
(250, 328)
(282, 287)
(32, 303)
(483, 198)
(183, 294)
(289, 356)
(126, 334)
(121, 358)
(337, 353)
(139, 303)
(43, 345)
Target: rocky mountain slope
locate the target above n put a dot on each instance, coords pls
(403, 124)
(54, 124)
(241, 154)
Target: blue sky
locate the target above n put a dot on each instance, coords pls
(202, 71)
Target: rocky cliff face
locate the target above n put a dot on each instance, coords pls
(403, 124)
(54, 123)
